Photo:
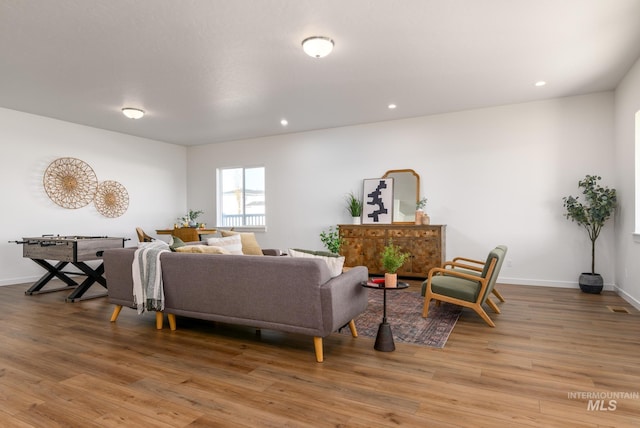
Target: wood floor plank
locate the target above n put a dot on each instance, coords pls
(65, 364)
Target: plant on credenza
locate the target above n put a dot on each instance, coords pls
(354, 207)
(592, 214)
(392, 259)
(421, 217)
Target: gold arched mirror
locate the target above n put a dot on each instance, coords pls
(406, 193)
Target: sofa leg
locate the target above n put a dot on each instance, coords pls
(352, 327)
(317, 343)
(172, 321)
(116, 312)
(159, 320)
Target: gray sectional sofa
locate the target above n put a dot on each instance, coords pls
(296, 295)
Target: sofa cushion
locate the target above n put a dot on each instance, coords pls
(176, 243)
(231, 243)
(249, 244)
(205, 249)
(334, 262)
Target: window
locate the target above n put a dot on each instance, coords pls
(241, 197)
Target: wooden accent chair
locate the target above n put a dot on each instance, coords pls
(450, 283)
(476, 266)
(143, 237)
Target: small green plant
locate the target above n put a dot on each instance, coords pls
(354, 205)
(393, 258)
(331, 240)
(191, 216)
(421, 203)
(598, 207)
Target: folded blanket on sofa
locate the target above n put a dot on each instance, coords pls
(147, 276)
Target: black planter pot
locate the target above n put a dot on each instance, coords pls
(591, 283)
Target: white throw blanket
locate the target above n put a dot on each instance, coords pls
(147, 276)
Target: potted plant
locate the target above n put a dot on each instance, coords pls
(392, 259)
(420, 215)
(597, 208)
(190, 219)
(354, 207)
(331, 240)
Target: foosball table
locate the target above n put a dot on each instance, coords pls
(64, 250)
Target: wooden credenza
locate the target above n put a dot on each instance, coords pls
(362, 246)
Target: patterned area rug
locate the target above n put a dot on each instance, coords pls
(404, 314)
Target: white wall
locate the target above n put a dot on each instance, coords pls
(153, 173)
(627, 103)
(493, 176)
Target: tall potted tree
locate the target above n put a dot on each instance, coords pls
(592, 214)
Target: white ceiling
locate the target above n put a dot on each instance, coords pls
(211, 70)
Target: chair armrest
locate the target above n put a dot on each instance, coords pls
(452, 265)
(464, 259)
(448, 272)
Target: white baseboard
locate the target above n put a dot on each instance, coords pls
(633, 302)
(548, 283)
(23, 280)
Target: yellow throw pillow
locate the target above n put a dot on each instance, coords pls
(249, 244)
(203, 249)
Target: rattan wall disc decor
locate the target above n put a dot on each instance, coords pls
(70, 182)
(112, 199)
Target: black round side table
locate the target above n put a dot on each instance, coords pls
(384, 338)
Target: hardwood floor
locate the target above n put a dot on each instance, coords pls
(65, 364)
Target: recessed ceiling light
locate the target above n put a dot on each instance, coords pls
(540, 83)
(133, 113)
(284, 122)
(391, 106)
(317, 46)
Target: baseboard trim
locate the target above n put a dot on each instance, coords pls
(22, 280)
(548, 283)
(626, 296)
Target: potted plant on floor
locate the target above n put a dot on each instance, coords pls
(392, 259)
(597, 208)
(354, 207)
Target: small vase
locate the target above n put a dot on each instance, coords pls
(391, 280)
(355, 220)
(426, 219)
(419, 215)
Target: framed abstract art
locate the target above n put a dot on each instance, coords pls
(378, 200)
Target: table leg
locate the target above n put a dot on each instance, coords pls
(384, 338)
(52, 271)
(93, 276)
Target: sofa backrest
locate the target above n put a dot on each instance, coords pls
(272, 289)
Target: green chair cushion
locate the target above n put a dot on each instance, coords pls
(458, 288)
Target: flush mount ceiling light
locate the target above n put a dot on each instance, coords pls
(540, 83)
(133, 113)
(317, 46)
